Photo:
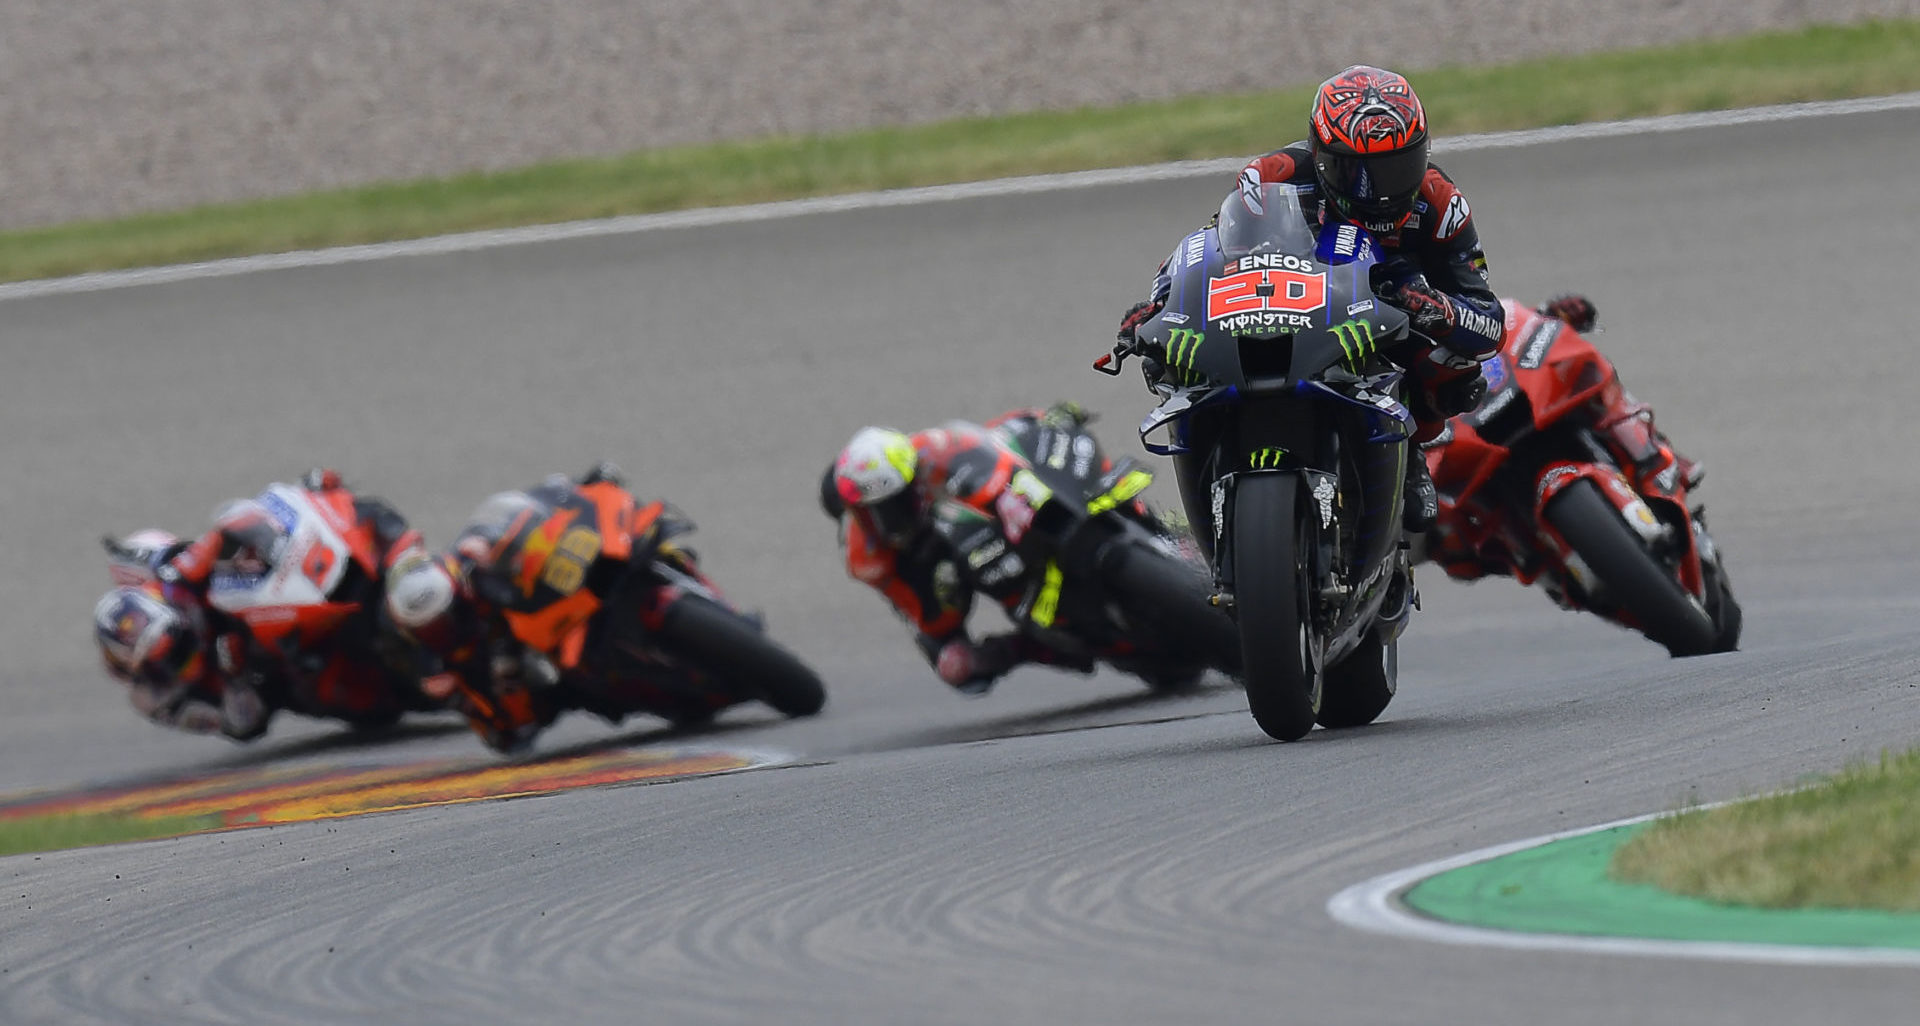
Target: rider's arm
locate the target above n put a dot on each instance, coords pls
(934, 602)
(191, 566)
(1458, 268)
(391, 533)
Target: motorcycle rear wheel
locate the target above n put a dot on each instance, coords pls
(1634, 580)
(1270, 573)
(721, 643)
(1358, 688)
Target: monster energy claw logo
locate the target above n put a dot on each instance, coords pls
(1356, 340)
(1263, 459)
(1183, 346)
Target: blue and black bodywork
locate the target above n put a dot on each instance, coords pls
(1272, 360)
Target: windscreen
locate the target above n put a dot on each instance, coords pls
(1270, 218)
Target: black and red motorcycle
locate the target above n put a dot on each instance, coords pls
(587, 602)
(1560, 478)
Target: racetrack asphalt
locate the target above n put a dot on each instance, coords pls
(1063, 850)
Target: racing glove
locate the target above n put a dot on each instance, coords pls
(1137, 314)
(1573, 308)
(1432, 315)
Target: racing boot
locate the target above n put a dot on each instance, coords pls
(1422, 503)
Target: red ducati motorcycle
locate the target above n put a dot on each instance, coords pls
(1560, 478)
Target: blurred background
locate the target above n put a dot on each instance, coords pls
(109, 107)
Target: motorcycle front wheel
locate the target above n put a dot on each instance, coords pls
(1270, 550)
(1634, 581)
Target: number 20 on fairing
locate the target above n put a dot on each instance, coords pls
(1255, 291)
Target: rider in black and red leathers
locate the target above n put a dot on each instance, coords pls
(1366, 161)
(884, 485)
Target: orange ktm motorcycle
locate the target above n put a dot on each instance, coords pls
(1560, 478)
(585, 602)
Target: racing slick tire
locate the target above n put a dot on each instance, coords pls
(719, 642)
(1358, 688)
(1635, 582)
(1271, 545)
(1175, 601)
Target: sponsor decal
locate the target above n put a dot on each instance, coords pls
(1477, 322)
(1174, 318)
(1356, 340)
(1272, 262)
(1359, 308)
(1323, 495)
(1266, 291)
(1010, 567)
(986, 553)
(1346, 239)
(1250, 190)
(1553, 479)
(1534, 351)
(1083, 453)
(1495, 371)
(1667, 478)
(1455, 217)
(1219, 511)
(1268, 458)
(1264, 321)
(1197, 248)
(1183, 347)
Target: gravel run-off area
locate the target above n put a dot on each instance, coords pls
(109, 107)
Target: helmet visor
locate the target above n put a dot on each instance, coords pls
(895, 517)
(1379, 186)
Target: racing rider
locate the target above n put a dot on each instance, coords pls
(1365, 159)
(886, 483)
(160, 651)
(246, 540)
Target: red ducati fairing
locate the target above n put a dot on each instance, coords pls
(1559, 477)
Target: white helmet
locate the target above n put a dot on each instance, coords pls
(420, 590)
(874, 475)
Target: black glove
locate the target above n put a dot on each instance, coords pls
(1573, 308)
(1431, 312)
(1460, 395)
(1137, 314)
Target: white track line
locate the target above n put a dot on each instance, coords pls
(1375, 906)
(709, 216)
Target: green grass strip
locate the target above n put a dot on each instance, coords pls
(52, 833)
(1873, 58)
(1850, 841)
(1563, 887)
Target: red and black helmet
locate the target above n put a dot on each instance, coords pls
(1369, 145)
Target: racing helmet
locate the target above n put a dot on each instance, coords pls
(421, 593)
(1369, 140)
(874, 478)
(144, 639)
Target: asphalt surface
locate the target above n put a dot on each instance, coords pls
(1063, 850)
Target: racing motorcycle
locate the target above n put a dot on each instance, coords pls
(1559, 477)
(594, 606)
(1064, 545)
(302, 626)
(1292, 430)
